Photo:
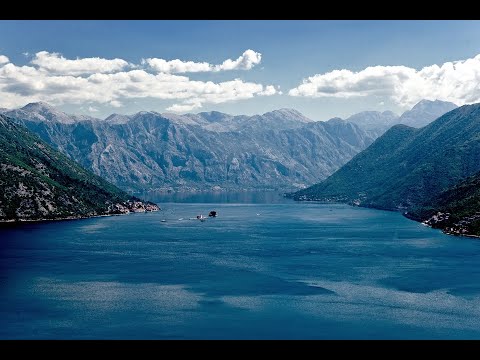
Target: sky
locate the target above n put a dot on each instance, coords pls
(321, 68)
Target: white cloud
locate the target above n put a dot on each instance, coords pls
(246, 61)
(4, 60)
(177, 66)
(115, 103)
(184, 107)
(92, 109)
(456, 81)
(270, 90)
(95, 81)
(57, 64)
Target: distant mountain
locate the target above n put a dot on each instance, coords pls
(425, 112)
(219, 122)
(117, 119)
(422, 114)
(407, 167)
(43, 112)
(375, 122)
(456, 210)
(38, 182)
(149, 150)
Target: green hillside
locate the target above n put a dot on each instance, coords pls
(407, 167)
(38, 182)
(456, 210)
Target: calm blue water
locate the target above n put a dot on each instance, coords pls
(271, 269)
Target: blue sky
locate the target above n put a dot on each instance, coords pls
(399, 57)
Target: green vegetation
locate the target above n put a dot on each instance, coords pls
(38, 182)
(407, 166)
(461, 203)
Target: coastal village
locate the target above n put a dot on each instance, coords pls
(132, 206)
(460, 227)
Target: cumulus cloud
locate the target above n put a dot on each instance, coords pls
(4, 59)
(184, 107)
(456, 81)
(57, 64)
(52, 78)
(177, 66)
(246, 61)
(115, 103)
(270, 90)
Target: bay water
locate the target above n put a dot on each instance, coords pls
(264, 268)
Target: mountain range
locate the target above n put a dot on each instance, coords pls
(38, 182)
(149, 150)
(281, 149)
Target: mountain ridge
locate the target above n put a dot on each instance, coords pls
(149, 150)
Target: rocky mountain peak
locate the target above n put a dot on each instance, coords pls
(117, 119)
(39, 106)
(425, 104)
(425, 111)
(288, 113)
(214, 116)
(335, 120)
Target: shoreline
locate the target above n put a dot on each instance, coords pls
(398, 211)
(21, 221)
(444, 232)
(465, 235)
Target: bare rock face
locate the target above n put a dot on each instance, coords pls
(153, 151)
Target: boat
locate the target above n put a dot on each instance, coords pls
(201, 218)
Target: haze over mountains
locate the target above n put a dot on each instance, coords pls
(281, 149)
(374, 122)
(420, 115)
